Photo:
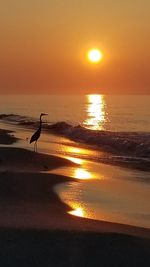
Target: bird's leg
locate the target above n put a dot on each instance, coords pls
(35, 147)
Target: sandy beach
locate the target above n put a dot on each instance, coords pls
(36, 230)
(74, 133)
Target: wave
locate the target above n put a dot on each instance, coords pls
(134, 144)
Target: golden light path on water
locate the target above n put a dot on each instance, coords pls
(96, 117)
(80, 172)
(96, 113)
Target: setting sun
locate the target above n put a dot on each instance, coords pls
(95, 55)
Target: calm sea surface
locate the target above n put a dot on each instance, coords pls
(114, 113)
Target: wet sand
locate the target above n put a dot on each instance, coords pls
(36, 230)
(7, 137)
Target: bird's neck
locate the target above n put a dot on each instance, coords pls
(40, 121)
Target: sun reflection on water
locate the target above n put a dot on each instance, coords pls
(77, 151)
(96, 113)
(81, 173)
(80, 210)
(78, 172)
(75, 160)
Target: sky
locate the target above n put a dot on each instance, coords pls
(44, 44)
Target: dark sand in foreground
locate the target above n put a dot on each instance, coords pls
(35, 229)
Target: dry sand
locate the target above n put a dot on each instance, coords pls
(36, 230)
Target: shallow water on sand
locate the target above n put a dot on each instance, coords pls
(107, 193)
(100, 191)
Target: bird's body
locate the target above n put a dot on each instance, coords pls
(37, 134)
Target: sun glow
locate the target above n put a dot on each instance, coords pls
(95, 55)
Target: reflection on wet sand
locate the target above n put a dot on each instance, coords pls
(81, 170)
(77, 212)
(75, 160)
(77, 152)
(78, 208)
(80, 173)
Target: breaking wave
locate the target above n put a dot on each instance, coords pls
(129, 144)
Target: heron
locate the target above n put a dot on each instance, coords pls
(37, 134)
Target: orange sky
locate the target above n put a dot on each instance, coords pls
(44, 44)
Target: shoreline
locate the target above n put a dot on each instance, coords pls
(27, 191)
(16, 162)
(108, 158)
(36, 230)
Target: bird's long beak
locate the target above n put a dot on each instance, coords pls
(44, 114)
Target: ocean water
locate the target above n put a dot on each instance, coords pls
(97, 112)
(109, 138)
(119, 125)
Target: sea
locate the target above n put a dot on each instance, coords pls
(108, 137)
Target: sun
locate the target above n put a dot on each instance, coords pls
(95, 55)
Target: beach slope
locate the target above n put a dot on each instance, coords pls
(36, 230)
